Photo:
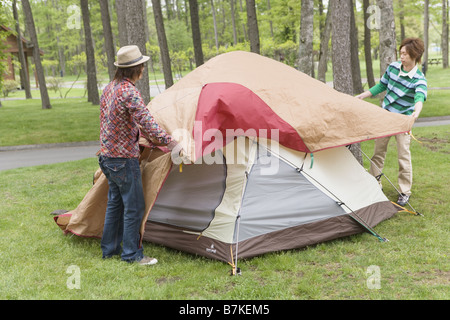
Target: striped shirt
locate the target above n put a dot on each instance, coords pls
(403, 90)
(122, 115)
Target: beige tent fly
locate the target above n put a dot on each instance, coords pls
(269, 165)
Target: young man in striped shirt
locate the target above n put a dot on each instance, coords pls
(406, 91)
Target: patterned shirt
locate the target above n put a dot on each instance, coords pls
(122, 113)
(404, 90)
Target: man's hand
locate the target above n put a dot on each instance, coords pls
(417, 109)
(364, 95)
(179, 156)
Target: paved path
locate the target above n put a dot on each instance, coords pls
(432, 121)
(33, 155)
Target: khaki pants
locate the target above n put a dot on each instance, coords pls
(405, 175)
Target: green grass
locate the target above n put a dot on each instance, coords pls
(70, 120)
(36, 94)
(437, 103)
(437, 76)
(35, 255)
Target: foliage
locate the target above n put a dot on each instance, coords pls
(4, 17)
(9, 86)
(51, 66)
(278, 21)
(77, 62)
(55, 84)
(178, 36)
(286, 52)
(179, 61)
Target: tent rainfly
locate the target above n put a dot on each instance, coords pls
(269, 169)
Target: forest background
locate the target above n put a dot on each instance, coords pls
(283, 33)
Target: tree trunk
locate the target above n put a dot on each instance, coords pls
(107, 34)
(368, 47)
(62, 60)
(305, 61)
(146, 31)
(244, 29)
(324, 41)
(168, 9)
(91, 71)
(401, 16)
(354, 49)
(233, 22)
(270, 17)
(444, 34)
(36, 54)
(162, 40)
(121, 10)
(136, 36)
(216, 37)
(426, 19)
(196, 35)
(388, 46)
(252, 26)
(24, 76)
(340, 41)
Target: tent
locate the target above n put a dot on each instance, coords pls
(269, 169)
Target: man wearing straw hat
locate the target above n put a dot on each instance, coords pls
(122, 112)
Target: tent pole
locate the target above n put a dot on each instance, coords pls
(382, 174)
(353, 215)
(237, 271)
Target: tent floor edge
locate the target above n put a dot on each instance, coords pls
(301, 236)
(176, 238)
(295, 237)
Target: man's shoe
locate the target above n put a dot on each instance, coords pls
(146, 261)
(402, 199)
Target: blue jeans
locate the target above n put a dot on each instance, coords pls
(125, 209)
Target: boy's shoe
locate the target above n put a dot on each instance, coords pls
(403, 199)
(146, 261)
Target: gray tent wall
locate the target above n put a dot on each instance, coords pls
(188, 198)
(287, 199)
(278, 211)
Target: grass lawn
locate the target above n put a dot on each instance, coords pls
(70, 120)
(36, 258)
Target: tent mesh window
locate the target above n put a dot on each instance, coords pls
(189, 198)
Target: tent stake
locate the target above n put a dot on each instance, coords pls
(236, 270)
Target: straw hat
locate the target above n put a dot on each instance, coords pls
(129, 56)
